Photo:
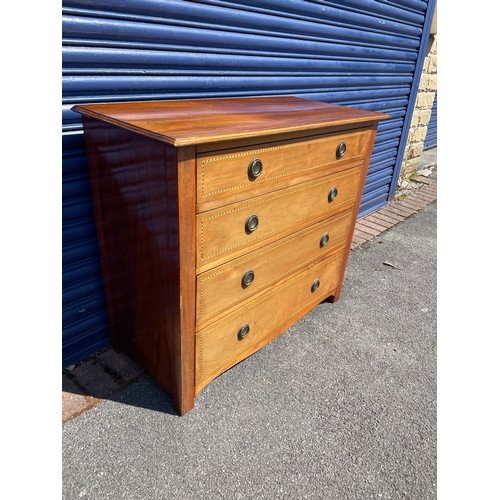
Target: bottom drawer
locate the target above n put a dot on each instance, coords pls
(236, 336)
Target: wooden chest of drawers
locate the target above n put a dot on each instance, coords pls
(221, 222)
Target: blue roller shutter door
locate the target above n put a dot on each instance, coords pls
(431, 137)
(361, 53)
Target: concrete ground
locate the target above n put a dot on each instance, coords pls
(428, 158)
(341, 406)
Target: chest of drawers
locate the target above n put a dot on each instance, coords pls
(221, 222)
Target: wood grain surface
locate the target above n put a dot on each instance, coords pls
(198, 121)
(146, 238)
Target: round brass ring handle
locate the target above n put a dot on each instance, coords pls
(315, 285)
(252, 223)
(247, 278)
(324, 240)
(332, 194)
(341, 149)
(243, 331)
(255, 168)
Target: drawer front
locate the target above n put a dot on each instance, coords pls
(227, 286)
(224, 343)
(226, 232)
(226, 175)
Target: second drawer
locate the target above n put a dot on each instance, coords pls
(229, 232)
(229, 285)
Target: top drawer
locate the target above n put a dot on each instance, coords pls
(228, 175)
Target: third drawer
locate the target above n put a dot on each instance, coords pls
(229, 285)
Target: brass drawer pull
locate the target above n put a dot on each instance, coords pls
(252, 223)
(255, 168)
(315, 285)
(324, 240)
(341, 149)
(247, 278)
(243, 331)
(332, 194)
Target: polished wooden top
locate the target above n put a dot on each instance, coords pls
(198, 121)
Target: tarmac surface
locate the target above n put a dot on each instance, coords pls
(340, 406)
